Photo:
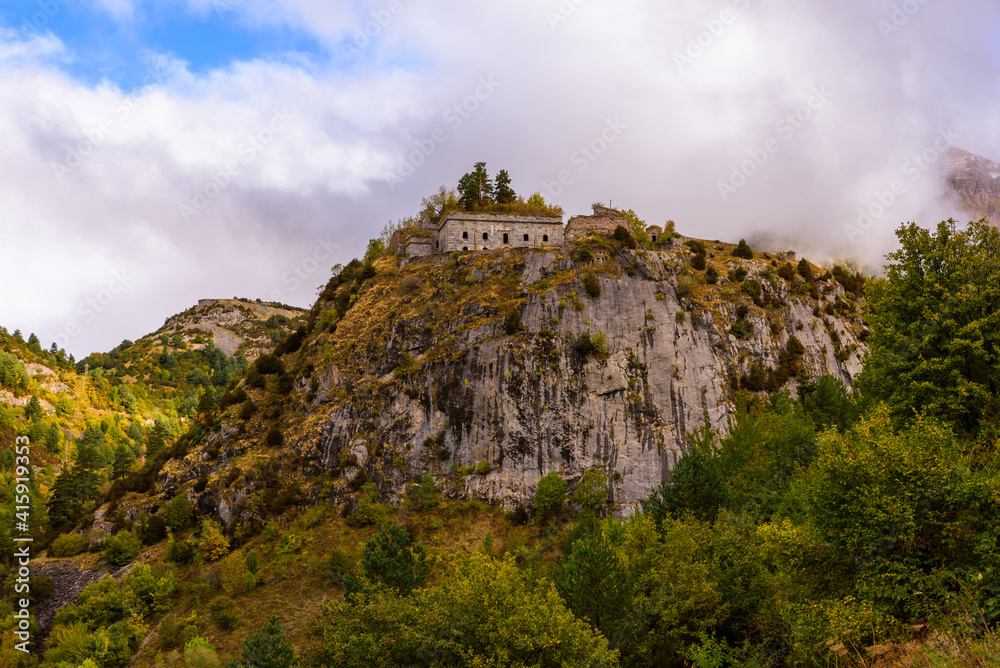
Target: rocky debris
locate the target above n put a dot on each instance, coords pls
(68, 580)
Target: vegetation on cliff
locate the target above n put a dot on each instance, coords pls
(824, 525)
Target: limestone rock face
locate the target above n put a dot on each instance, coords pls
(506, 407)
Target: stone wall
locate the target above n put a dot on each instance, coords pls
(580, 226)
(486, 231)
(419, 246)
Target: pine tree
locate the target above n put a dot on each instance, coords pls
(52, 438)
(34, 411)
(503, 193)
(394, 559)
(123, 462)
(157, 440)
(267, 648)
(475, 188)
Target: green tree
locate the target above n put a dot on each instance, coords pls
(598, 587)
(435, 206)
(743, 250)
(392, 558)
(121, 548)
(487, 612)
(637, 225)
(267, 648)
(592, 490)
(179, 513)
(935, 319)
(52, 438)
(128, 400)
(879, 494)
(503, 193)
(157, 439)
(696, 486)
(33, 411)
(124, 460)
(475, 189)
(550, 495)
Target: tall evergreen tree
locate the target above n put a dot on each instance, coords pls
(475, 188)
(34, 411)
(503, 193)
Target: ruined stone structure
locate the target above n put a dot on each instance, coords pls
(604, 221)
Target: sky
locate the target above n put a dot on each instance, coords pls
(153, 153)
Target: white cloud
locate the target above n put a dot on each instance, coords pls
(359, 117)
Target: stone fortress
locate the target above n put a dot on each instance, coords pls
(467, 231)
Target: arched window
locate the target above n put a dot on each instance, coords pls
(545, 237)
(465, 235)
(486, 236)
(505, 238)
(465, 248)
(525, 237)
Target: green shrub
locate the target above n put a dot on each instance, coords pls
(253, 561)
(623, 235)
(482, 468)
(179, 513)
(68, 545)
(805, 269)
(743, 250)
(550, 495)
(586, 255)
(711, 276)
(152, 529)
(224, 613)
(274, 437)
(698, 262)
(592, 286)
(121, 548)
(338, 564)
(787, 272)
(512, 323)
(738, 274)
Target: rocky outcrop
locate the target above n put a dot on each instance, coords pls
(517, 406)
(976, 181)
(490, 370)
(232, 325)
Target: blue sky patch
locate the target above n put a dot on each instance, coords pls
(100, 47)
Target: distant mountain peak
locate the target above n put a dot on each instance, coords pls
(976, 182)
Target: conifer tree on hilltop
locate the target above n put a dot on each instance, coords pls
(475, 189)
(502, 192)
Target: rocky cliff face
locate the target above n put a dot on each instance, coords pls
(490, 370)
(976, 181)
